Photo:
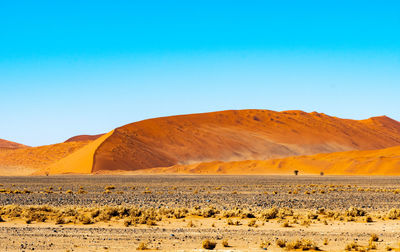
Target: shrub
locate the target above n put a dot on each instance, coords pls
(355, 212)
(127, 223)
(142, 246)
(393, 214)
(352, 246)
(86, 220)
(225, 243)
(281, 243)
(207, 244)
(374, 238)
(191, 224)
(233, 223)
(270, 213)
(265, 244)
(60, 220)
(252, 223)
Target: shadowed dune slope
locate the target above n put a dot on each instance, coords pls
(83, 138)
(4, 144)
(372, 162)
(238, 135)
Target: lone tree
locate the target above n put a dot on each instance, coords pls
(296, 172)
(321, 173)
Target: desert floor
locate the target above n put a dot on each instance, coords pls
(315, 208)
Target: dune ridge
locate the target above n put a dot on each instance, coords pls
(83, 138)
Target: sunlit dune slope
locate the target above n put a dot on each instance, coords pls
(33, 158)
(83, 138)
(81, 161)
(4, 144)
(372, 162)
(238, 135)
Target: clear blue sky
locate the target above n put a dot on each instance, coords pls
(86, 67)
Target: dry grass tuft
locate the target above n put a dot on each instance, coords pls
(225, 243)
(142, 246)
(207, 244)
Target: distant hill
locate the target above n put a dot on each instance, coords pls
(83, 138)
(10, 145)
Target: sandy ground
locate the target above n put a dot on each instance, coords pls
(376, 195)
(177, 236)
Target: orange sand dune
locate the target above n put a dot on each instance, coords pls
(28, 160)
(372, 162)
(81, 161)
(238, 135)
(230, 136)
(83, 138)
(224, 136)
(4, 144)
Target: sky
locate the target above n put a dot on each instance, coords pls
(85, 67)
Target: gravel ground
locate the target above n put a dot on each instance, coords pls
(221, 191)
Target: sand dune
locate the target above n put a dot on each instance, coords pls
(223, 136)
(372, 162)
(83, 138)
(25, 161)
(239, 135)
(81, 161)
(4, 144)
(235, 136)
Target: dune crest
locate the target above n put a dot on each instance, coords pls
(83, 138)
(4, 144)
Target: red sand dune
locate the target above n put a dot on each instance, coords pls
(372, 162)
(83, 138)
(228, 136)
(4, 144)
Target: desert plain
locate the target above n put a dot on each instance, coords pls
(180, 212)
(237, 180)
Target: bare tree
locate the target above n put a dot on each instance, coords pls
(296, 172)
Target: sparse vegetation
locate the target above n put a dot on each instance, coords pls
(225, 243)
(208, 244)
(142, 246)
